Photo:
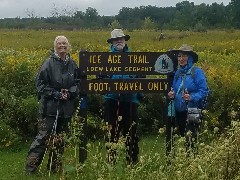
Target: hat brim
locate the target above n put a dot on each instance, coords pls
(126, 37)
(191, 53)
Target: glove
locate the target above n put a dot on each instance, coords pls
(56, 95)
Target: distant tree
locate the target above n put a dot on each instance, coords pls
(185, 16)
(55, 11)
(115, 24)
(91, 13)
(216, 15)
(31, 13)
(106, 20)
(149, 24)
(184, 19)
(199, 28)
(91, 18)
(78, 15)
(201, 14)
(235, 12)
(129, 18)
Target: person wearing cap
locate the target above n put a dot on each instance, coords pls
(120, 110)
(189, 88)
(57, 87)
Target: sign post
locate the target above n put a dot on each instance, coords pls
(157, 67)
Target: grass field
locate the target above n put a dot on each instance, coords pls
(22, 53)
(12, 163)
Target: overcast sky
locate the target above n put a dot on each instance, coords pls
(44, 8)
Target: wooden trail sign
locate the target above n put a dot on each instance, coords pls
(110, 73)
(104, 65)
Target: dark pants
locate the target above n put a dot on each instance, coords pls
(122, 119)
(47, 138)
(183, 127)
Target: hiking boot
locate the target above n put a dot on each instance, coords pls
(29, 173)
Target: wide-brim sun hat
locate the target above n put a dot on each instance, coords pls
(188, 50)
(117, 33)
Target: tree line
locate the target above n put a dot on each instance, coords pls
(184, 16)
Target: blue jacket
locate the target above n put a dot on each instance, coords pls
(196, 85)
(126, 97)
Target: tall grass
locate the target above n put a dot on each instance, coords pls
(21, 55)
(218, 159)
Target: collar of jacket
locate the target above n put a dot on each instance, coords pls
(55, 56)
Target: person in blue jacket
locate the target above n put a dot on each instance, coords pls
(189, 89)
(120, 110)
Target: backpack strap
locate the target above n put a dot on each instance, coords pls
(191, 72)
(181, 87)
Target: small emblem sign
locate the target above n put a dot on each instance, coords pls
(163, 64)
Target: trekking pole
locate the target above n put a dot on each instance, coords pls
(171, 131)
(54, 132)
(83, 128)
(131, 132)
(170, 126)
(189, 137)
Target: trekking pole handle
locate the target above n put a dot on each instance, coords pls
(171, 93)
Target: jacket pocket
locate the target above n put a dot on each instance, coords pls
(52, 107)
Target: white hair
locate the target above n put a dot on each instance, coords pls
(61, 37)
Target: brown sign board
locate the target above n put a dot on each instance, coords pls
(131, 63)
(103, 86)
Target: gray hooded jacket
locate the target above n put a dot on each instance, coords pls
(54, 75)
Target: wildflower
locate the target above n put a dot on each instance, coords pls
(88, 145)
(108, 145)
(181, 139)
(205, 131)
(142, 159)
(178, 173)
(226, 141)
(94, 164)
(216, 129)
(229, 169)
(114, 146)
(204, 111)
(189, 133)
(233, 114)
(161, 130)
(9, 143)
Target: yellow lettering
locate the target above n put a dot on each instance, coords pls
(128, 86)
(157, 86)
(98, 86)
(114, 59)
(95, 59)
(138, 59)
(116, 86)
(138, 69)
(118, 69)
(94, 69)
